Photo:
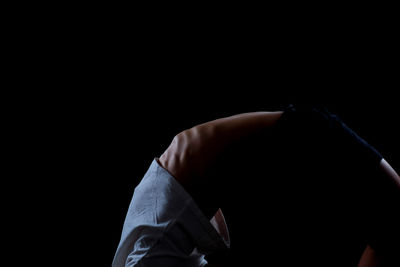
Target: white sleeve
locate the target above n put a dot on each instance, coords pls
(164, 226)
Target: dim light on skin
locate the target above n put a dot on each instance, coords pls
(219, 223)
(368, 258)
(390, 172)
(192, 150)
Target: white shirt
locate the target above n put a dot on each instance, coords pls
(164, 226)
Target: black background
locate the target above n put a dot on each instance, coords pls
(84, 158)
(88, 149)
(104, 97)
(85, 152)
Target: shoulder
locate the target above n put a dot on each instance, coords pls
(194, 150)
(186, 154)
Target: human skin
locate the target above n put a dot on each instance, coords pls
(193, 151)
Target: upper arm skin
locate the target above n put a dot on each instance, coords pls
(390, 172)
(193, 151)
(368, 258)
(386, 246)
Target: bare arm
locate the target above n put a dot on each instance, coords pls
(390, 172)
(192, 151)
(370, 258)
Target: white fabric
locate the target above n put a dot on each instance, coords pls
(164, 226)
